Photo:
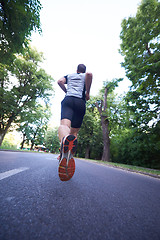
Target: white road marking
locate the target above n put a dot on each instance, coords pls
(12, 172)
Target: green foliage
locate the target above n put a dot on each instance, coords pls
(52, 141)
(132, 121)
(138, 148)
(140, 47)
(90, 135)
(10, 141)
(129, 144)
(34, 124)
(132, 143)
(7, 145)
(110, 85)
(27, 84)
(110, 109)
(17, 21)
(137, 141)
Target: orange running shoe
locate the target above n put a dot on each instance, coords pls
(67, 164)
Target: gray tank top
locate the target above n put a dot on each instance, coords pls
(76, 85)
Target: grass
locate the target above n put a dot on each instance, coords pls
(12, 148)
(5, 147)
(148, 171)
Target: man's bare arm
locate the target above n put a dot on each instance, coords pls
(61, 82)
(88, 82)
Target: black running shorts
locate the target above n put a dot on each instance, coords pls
(73, 108)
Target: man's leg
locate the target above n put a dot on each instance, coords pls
(64, 128)
(68, 148)
(74, 131)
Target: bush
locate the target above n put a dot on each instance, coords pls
(7, 145)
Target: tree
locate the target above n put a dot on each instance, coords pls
(90, 134)
(140, 47)
(52, 140)
(135, 147)
(24, 129)
(34, 125)
(102, 116)
(105, 114)
(30, 83)
(130, 143)
(18, 19)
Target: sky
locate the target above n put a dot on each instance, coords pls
(87, 32)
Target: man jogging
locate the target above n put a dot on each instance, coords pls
(73, 109)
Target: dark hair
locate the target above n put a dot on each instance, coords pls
(81, 68)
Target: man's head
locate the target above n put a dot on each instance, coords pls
(81, 68)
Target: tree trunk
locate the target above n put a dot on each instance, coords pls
(4, 130)
(22, 143)
(106, 140)
(2, 135)
(32, 141)
(102, 108)
(87, 152)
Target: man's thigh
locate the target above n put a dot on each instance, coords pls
(67, 109)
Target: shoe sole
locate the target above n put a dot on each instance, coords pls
(67, 164)
(66, 172)
(70, 144)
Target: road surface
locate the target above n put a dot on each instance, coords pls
(98, 203)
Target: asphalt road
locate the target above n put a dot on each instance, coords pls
(98, 203)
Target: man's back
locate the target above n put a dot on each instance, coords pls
(75, 85)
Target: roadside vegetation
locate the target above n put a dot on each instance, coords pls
(147, 171)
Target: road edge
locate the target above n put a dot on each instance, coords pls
(125, 169)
